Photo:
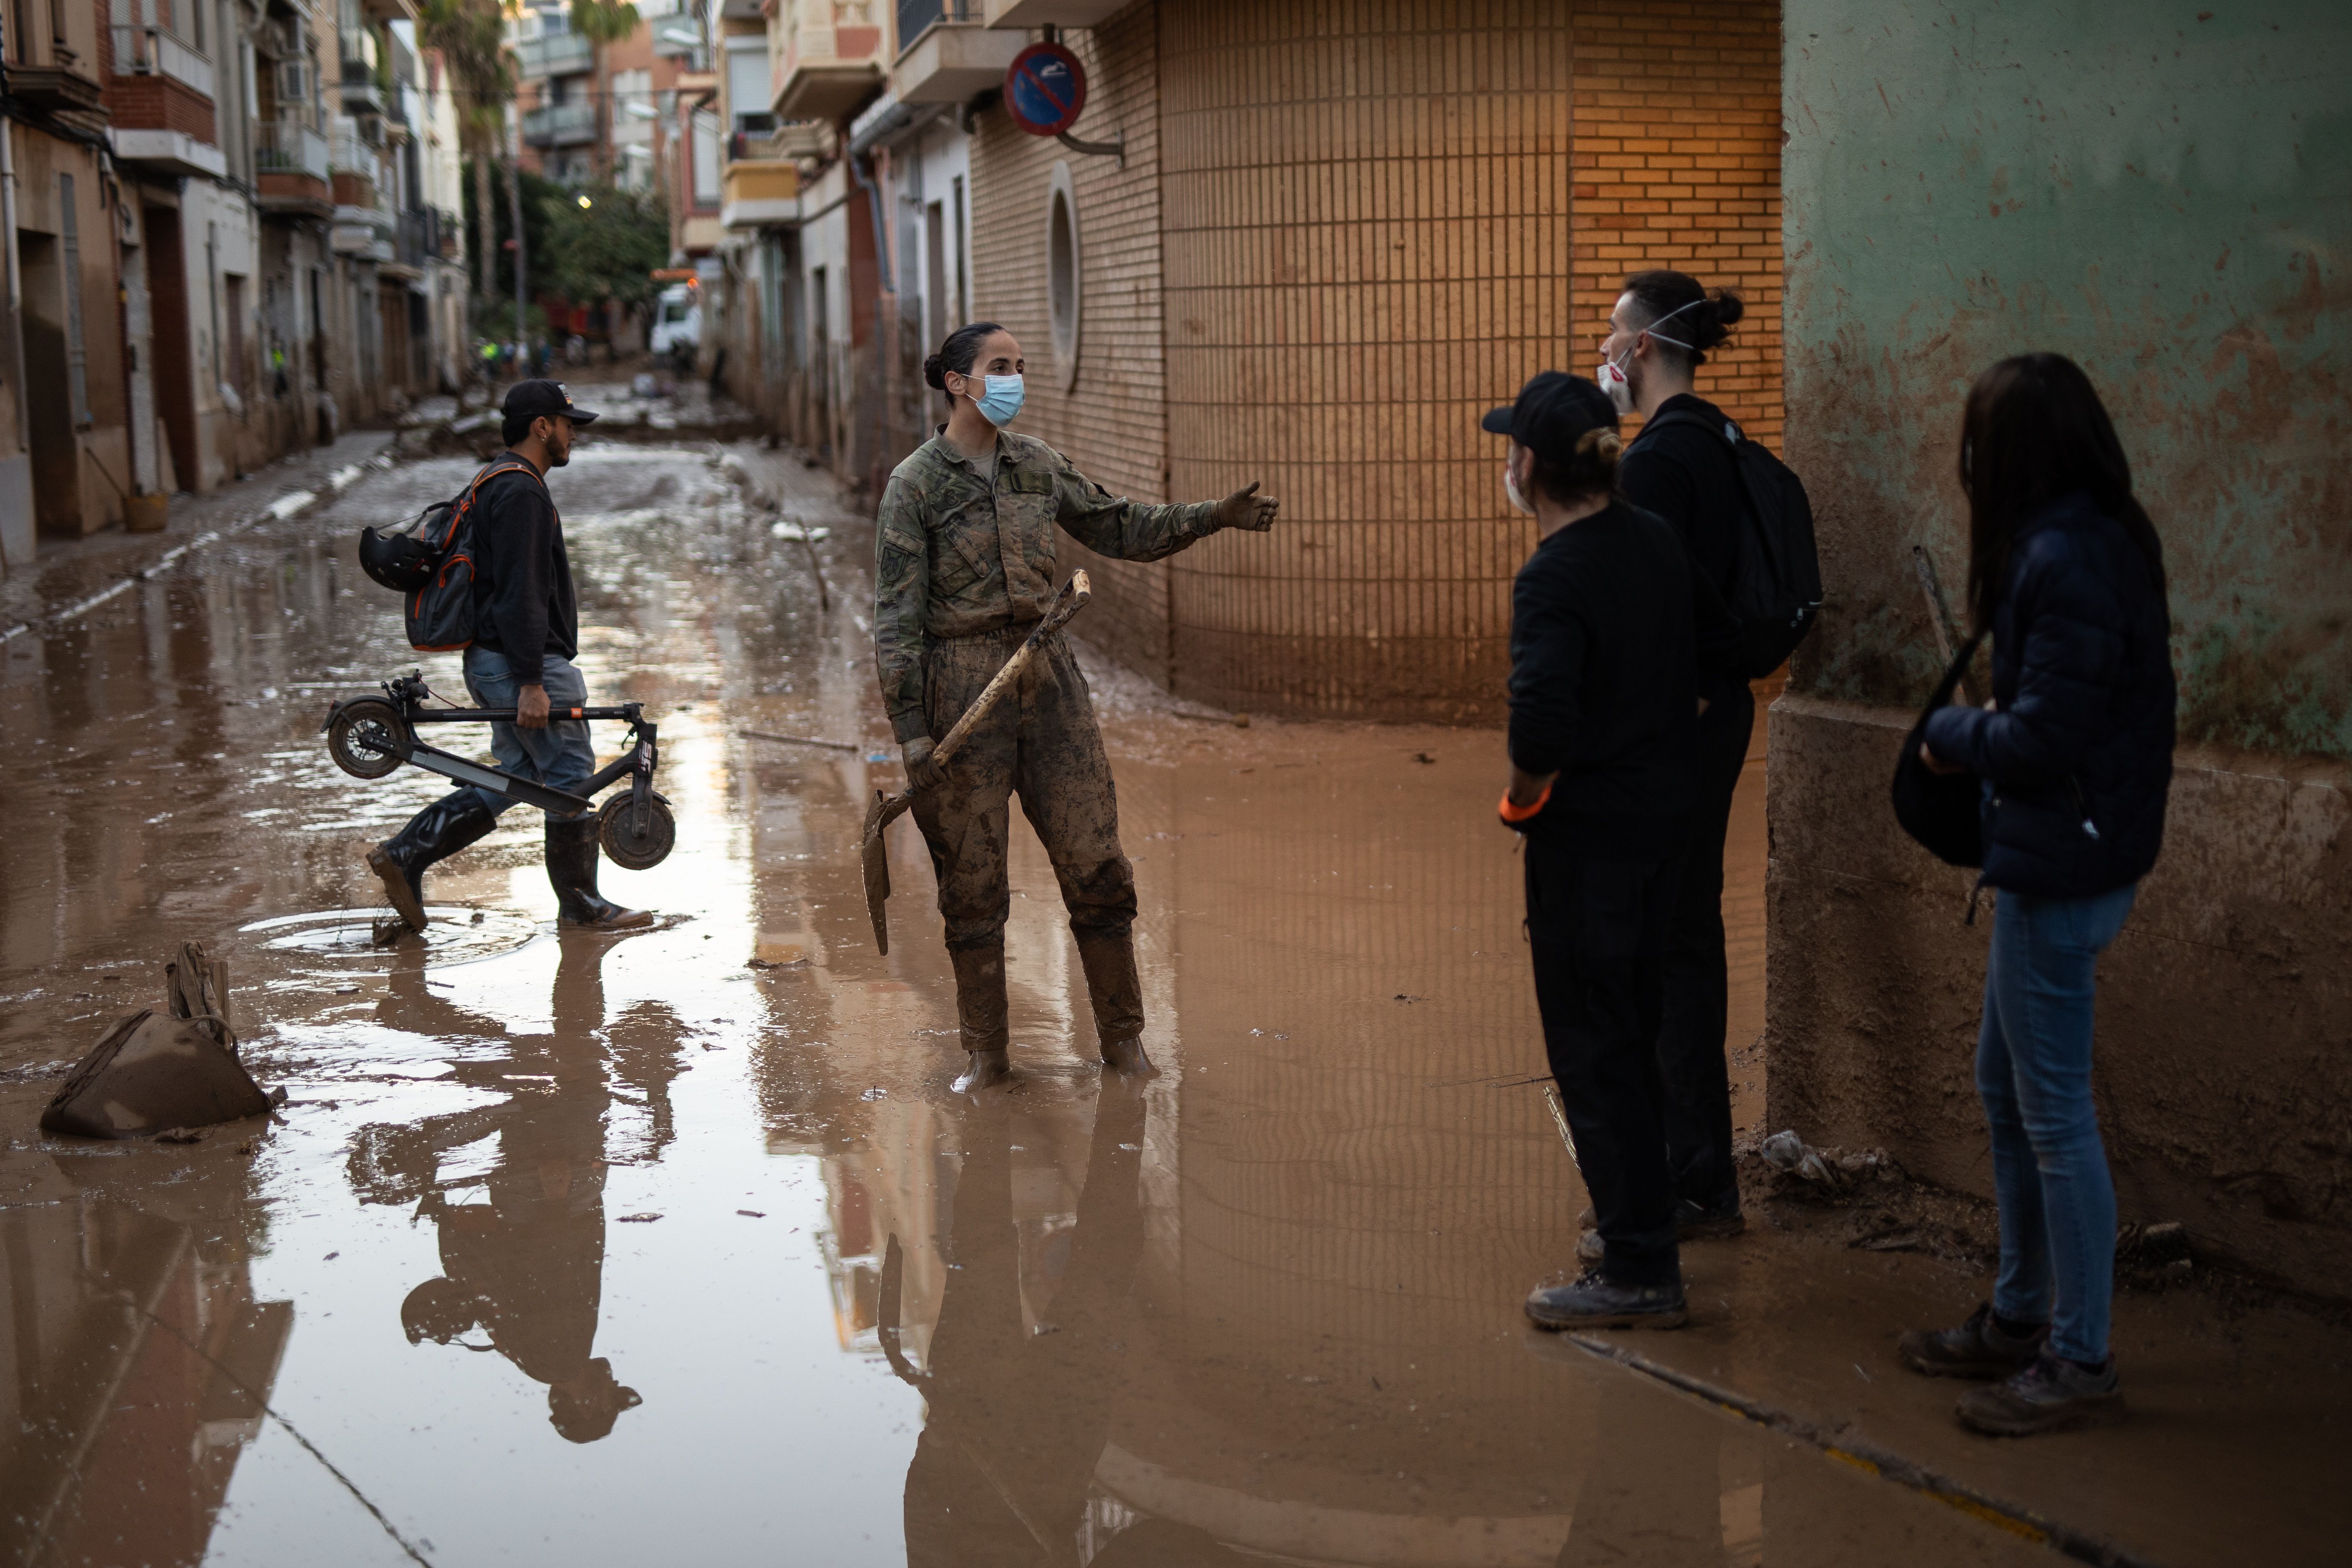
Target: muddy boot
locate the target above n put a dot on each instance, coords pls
(572, 855)
(437, 832)
(981, 1009)
(1108, 958)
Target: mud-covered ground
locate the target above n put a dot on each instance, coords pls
(676, 1247)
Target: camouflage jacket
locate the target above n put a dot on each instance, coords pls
(955, 554)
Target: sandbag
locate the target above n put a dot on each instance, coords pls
(151, 1072)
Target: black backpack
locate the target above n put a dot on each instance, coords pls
(1776, 575)
(430, 559)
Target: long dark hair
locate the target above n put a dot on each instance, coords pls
(2034, 433)
(958, 353)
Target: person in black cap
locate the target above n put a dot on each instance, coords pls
(527, 634)
(1607, 624)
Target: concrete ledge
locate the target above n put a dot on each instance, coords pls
(2241, 1129)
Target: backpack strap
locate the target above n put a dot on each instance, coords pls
(1728, 432)
(464, 504)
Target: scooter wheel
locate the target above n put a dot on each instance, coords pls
(623, 845)
(364, 738)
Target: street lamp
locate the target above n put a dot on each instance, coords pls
(585, 204)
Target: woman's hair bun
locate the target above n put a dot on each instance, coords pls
(1729, 308)
(935, 372)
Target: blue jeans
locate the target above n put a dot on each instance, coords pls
(561, 756)
(2033, 1071)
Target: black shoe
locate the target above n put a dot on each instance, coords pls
(1127, 1059)
(1978, 1347)
(984, 1070)
(2051, 1394)
(1592, 1301)
(572, 855)
(1696, 1222)
(437, 832)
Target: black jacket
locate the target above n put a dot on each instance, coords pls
(1607, 624)
(2077, 756)
(524, 607)
(1687, 476)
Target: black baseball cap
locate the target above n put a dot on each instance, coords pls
(530, 399)
(1553, 413)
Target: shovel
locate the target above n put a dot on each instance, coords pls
(886, 808)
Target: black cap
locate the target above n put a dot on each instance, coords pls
(530, 399)
(1554, 411)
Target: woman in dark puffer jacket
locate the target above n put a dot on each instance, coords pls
(2076, 752)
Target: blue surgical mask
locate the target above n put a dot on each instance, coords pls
(1003, 399)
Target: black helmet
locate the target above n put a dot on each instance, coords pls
(403, 559)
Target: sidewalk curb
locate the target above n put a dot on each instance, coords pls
(290, 505)
(1871, 1459)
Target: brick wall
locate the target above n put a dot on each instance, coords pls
(1677, 164)
(1112, 422)
(159, 103)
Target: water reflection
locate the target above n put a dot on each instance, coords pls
(515, 1189)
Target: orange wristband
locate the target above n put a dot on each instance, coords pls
(1515, 815)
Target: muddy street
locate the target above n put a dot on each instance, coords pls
(576, 1248)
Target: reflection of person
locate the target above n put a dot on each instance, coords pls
(2075, 752)
(527, 635)
(1015, 1418)
(1606, 618)
(527, 1267)
(963, 569)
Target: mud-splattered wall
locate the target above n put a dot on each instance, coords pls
(2169, 200)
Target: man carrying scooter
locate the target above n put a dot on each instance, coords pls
(527, 633)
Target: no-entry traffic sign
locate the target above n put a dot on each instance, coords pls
(1045, 88)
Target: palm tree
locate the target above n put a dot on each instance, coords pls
(471, 37)
(603, 23)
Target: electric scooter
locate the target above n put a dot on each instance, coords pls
(369, 737)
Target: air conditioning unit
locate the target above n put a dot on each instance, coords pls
(294, 80)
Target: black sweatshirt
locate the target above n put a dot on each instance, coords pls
(1608, 622)
(523, 602)
(1687, 476)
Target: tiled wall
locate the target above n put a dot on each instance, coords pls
(1110, 422)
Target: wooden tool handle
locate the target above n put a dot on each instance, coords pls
(1068, 603)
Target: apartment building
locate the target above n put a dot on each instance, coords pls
(220, 249)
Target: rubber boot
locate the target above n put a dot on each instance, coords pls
(572, 855)
(981, 1009)
(1108, 958)
(437, 832)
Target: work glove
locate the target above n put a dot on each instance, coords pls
(922, 772)
(1246, 509)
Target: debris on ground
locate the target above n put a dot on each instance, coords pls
(1832, 1168)
(163, 1074)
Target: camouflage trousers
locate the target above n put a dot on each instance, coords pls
(1041, 744)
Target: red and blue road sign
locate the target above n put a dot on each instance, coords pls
(1045, 88)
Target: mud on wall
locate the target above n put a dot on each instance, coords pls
(2167, 200)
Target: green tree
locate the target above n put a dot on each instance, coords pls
(605, 250)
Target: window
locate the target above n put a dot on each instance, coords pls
(705, 152)
(962, 287)
(1062, 276)
(77, 361)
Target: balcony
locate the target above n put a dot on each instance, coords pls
(554, 54)
(165, 152)
(802, 139)
(560, 125)
(363, 94)
(762, 193)
(947, 57)
(1051, 13)
(828, 71)
(157, 51)
(293, 170)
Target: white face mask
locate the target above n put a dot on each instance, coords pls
(1518, 496)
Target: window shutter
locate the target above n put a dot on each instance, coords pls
(77, 363)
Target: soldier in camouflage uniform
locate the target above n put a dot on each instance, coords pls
(963, 569)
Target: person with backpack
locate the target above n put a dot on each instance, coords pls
(2074, 758)
(520, 626)
(1744, 521)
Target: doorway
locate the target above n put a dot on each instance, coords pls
(167, 306)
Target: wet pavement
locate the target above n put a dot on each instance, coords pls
(632, 1249)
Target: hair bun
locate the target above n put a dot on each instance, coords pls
(1729, 308)
(935, 372)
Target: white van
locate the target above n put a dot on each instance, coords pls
(677, 322)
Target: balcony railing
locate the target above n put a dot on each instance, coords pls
(415, 239)
(291, 147)
(560, 125)
(554, 54)
(914, 15)
(157, 51)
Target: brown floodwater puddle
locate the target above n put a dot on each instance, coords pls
(626, 1250)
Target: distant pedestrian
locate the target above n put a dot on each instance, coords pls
(1682, 467)
(2076, 752)
(1605, 621)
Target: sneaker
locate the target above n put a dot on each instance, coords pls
(1977, 1347)
(1592, 1301)
(2049, 1396)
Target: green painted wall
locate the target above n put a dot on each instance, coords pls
(2168, 200)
